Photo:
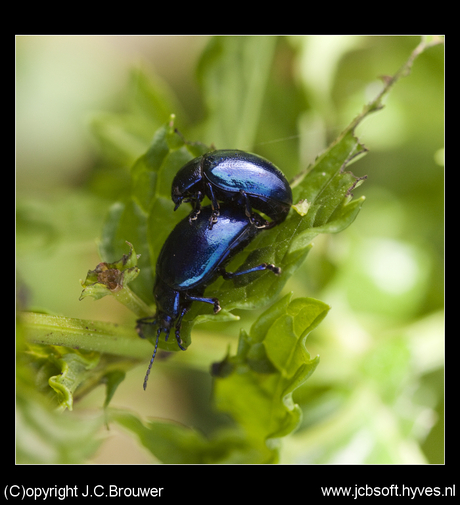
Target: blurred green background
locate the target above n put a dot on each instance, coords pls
(377, 395)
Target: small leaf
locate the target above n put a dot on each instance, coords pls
(110, 278)
(74, 366)
(270, 364)
(113, 378)
(302, 207)
(63, 369)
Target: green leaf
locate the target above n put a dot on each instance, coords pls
(173, 443)
(114, 378)
(168, 441)
(73, 366)
(122, 138)
(48, 437)
(151, 97)
(61, 368)
(234, 72)
(271, 362)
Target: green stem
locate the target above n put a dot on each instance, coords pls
(404, 71)
(84, 334)
(130, 300)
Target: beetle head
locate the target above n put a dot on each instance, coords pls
(167, 301)
(187, 181)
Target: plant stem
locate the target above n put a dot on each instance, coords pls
(376, 103)
(130, 300)
(84, 334)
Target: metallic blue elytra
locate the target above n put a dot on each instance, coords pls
(192, 257)
(230, 175)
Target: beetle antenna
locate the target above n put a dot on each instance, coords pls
(146, 378)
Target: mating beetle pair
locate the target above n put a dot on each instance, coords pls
(199, 247)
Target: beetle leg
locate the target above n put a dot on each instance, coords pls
(212, 301)
(178, 327)
(215, 206)
(193, 215)
(251, 215)
(263, 266)
(247, 206)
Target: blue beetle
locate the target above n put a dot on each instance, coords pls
(192, 258)
(235, 176)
